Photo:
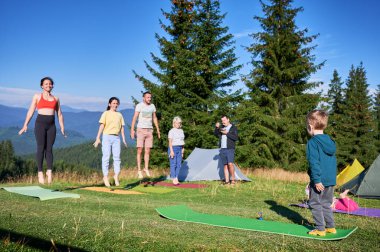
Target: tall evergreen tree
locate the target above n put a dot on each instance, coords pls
(282, 61)
(196, 65)
(216, 59)
(357, 129)
(335, 93)
(335, 100)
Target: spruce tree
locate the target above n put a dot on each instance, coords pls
(278, 101)
(335, 100)
(335, 94)
(356, 129)
(196, 66)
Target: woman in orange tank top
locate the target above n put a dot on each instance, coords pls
(45, 130)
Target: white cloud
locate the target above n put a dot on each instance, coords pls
(19, 97)
(243, 34)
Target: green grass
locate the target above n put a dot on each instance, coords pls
(109, 222)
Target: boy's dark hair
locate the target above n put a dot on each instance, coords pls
(226, 116)
(318, 118)
(46, 78)
(111, 100)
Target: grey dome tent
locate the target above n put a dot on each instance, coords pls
(205, 164)
(367, 183)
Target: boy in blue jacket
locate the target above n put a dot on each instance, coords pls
(320, 153)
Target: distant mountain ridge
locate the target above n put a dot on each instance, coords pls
(80, 126)
(26, 143)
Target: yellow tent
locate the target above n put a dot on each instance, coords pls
(348, 173)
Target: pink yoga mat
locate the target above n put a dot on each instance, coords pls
(187, 185)
(369, 212)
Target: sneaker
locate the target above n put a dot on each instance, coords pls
(147, 172)
(116, 180)
(317, 232)
(331, 230)
(139, 174)
(106, 182)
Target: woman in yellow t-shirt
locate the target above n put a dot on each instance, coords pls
(111, 124)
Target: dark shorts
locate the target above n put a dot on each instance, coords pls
(227, 155)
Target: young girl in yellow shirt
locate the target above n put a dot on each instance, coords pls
(111, 124)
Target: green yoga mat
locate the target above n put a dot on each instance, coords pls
(152, 189)
(183, 213)
(39, 192)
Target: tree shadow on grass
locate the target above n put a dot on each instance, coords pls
(34, 242)
(70, 188)
(291, 215)
(146, 182)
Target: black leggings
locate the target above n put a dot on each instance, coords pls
(45, 132)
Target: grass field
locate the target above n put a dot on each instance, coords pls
(110, 222)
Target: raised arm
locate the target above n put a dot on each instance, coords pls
(29, 114)
(217, 129)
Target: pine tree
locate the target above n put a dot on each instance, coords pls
(196, 65)
(357, 128)
(278, 83)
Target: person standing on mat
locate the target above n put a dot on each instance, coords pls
(44, 130)
(228, 135)
(111, 124)
(145, 111)
(320, 153)
(175, 150)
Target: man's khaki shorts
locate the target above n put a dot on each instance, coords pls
(144, 138)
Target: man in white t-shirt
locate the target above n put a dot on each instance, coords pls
(145, 111)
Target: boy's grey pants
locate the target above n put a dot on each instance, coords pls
(320, 205)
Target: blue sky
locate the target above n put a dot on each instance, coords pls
(90, 47)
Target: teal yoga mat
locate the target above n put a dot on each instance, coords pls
(39, 192)
(184, 213)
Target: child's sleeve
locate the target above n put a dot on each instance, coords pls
(122, 120)
(102, 119)
(170, 134)
(314, 163)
